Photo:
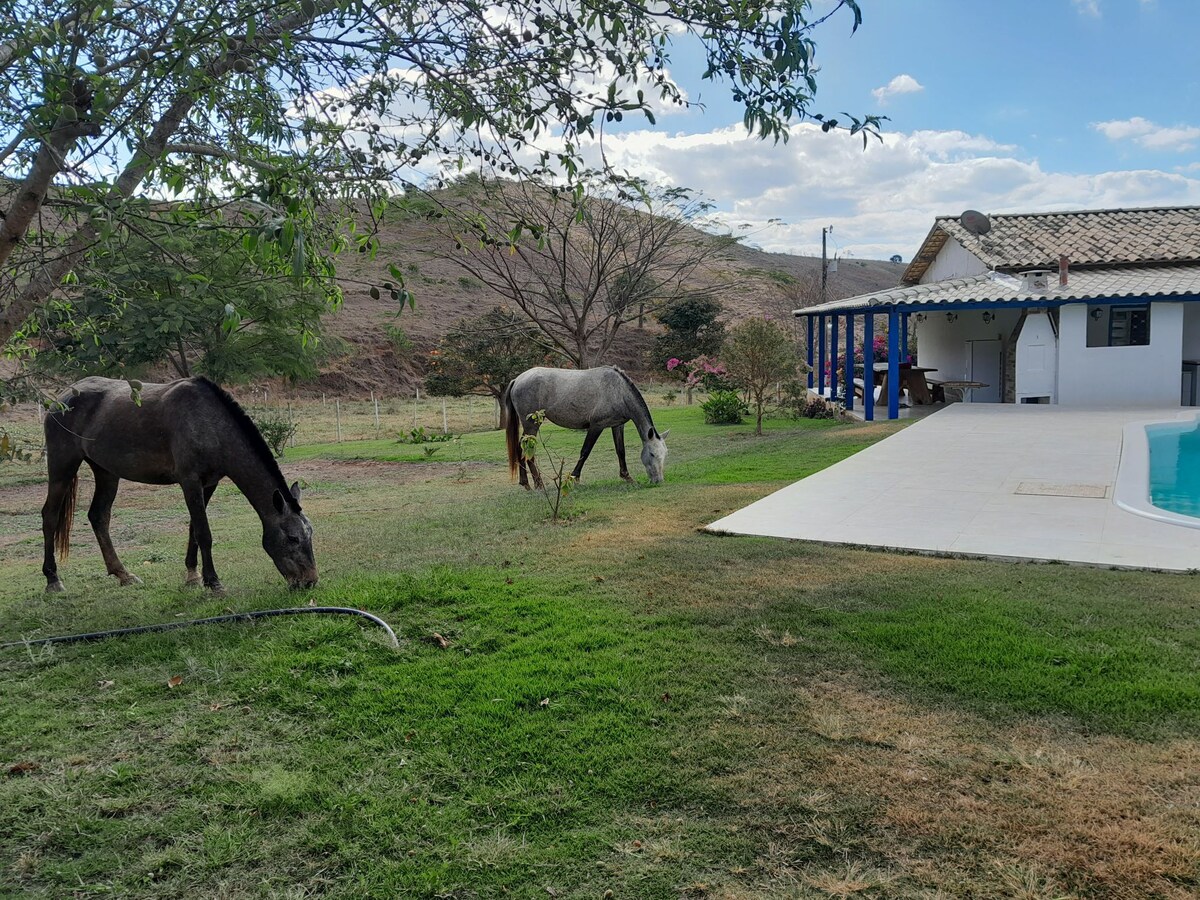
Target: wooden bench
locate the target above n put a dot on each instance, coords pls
(937, 389)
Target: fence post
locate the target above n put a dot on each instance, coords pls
(445, 427)
(337, 406)
(376, 404)
(291, 425)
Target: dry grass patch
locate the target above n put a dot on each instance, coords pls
(962, 806)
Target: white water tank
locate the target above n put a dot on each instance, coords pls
(1037, 360)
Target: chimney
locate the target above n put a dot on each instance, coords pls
(1063, 266)
(1035, 281)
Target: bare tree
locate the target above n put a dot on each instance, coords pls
(295, 104)
(582, 264)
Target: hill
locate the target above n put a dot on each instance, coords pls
(368, 357)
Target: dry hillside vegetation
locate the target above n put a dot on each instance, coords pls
(748, 281)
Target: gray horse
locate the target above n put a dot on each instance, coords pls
(585, 399)
(188, 432)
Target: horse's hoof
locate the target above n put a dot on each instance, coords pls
(128, 579)
(217, 589)
(55, 587)
(193, 579)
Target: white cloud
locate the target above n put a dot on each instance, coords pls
(1149, 135)
(881, 200)
(1088, 7)
(901, 84)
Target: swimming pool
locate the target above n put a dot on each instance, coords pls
(1159, 475)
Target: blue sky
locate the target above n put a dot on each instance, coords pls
(1000, 105)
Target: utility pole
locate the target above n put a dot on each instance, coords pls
(824, 263)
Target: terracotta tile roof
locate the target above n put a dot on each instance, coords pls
(1100, 237)
(992, 287)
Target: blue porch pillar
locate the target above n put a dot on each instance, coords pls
(904, 338)
(869, 367)
(809, 329)
(893, 378)
(821, 355)
(849, 382)
(835, 319)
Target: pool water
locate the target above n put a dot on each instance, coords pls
(1175, 467)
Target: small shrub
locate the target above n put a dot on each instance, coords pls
(724, 408)
(420, 436)
(670, 397)
(402, 344)
(276, 431)
(819, 408)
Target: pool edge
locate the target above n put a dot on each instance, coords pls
(1131, 490)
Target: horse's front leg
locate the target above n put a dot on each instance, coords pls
(588, 443)
(193, 495)
(100, 515)
(619, 443)
(193, 574)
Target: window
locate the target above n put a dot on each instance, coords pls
(1118, 326)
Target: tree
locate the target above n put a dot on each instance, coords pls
(758, 353)
(486, 352)
(295, 105)
(596, 260)
(693, 329)
(196, 298)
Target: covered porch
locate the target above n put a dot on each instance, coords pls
(1108, 338)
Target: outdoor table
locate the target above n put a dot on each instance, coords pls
(964, 386)
(912, 379)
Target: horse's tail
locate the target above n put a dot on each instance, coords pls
(512, 429)
(66, 513)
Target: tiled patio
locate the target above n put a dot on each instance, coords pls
(1007, 481)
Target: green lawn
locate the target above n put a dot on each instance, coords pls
(624, 703)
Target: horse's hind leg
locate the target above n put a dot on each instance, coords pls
(60, 503)
(193, 574)
(619, 443)
(100, 514)
(530, 430)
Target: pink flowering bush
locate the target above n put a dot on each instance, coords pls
(703, 372)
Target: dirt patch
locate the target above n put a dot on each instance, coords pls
(375, 470)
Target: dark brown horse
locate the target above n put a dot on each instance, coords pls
(188, 432)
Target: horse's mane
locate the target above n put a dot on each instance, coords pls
(254, 438)
(636, 393)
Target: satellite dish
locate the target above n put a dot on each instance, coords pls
(975, 222)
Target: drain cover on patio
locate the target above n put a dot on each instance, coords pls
(1044, 489)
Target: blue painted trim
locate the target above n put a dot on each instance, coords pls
(849, 382)
(869, 367)
(833, 356)
(904, 337)
(809, 330)
(1012, 304)
(821, 356)
(893, 364)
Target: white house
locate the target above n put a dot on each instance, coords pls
(1087, 308)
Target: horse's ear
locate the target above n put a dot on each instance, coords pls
(280, 503)
(296, 491)
(665, 433)
(651, 434)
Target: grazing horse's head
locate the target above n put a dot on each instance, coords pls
(654, 454)
(287, 538)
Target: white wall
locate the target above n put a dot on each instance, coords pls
(1120, 376)
(953, 261)
(942, 345)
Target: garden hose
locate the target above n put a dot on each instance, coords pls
(235, 617)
